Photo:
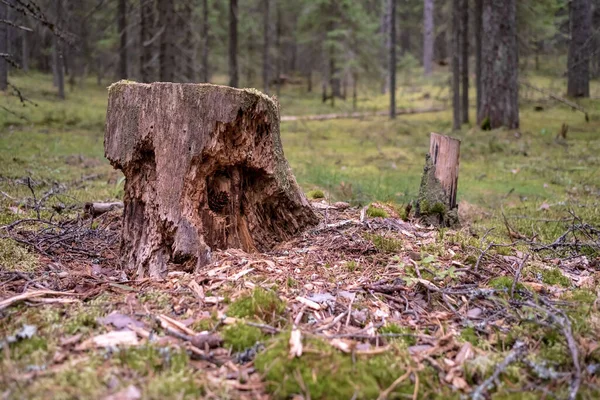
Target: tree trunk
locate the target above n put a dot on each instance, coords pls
(59, 69)
(205, 43)
(354, 91)
(464, 72)
(146, 26)
(428, 37)
(190, 43)
(385, 34)
(478, 29)
(233, 64)
(580, 22)
(166, 14)
(122, 27)
(456, 65)
(266, 46)
(392, 68)
(25, 51)
(334, 79)
(437, 204)
(499, 66)
(405, 32)
(204, 170)
(3, 49)
(9, 31)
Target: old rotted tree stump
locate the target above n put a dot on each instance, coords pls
(436, 204)
(204, 169)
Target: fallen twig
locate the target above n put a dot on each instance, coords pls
(514, 355)
(517, 276)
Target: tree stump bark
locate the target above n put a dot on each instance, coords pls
(204, 169)
(436, 204)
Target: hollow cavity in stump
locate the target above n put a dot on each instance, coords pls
(204, 170)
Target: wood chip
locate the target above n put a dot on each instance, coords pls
(308, 303)
(168, 322)
(295, 343)
(240, 274)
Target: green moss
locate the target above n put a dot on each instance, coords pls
(408, 339)
(518, 395)
(291, 282)
(83, 380)
(326, 373)
(554, 276)
(469, 334)
(383, 243)
(239, 337)
(168, 368)
(427, 208)
(584, 319)
(14, 257)
(351, 266)
(261, 304)
(486, 124)
(315, 194)
(82, 318)
(375, 212)
(505, 283)
(156, 298)
(148, 359)
(204, 324)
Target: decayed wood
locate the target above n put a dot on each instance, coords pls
(436, 204)
(204, 170)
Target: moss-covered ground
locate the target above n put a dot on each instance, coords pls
(515, 185)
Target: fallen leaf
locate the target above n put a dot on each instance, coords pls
(321, 297)
(419, 348)
(342, 345)
(460, 383)
(112, 339)
(119, 320)
(465, 353)
(474, 313)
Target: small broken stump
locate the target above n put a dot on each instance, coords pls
(436, 204)
(204, 169)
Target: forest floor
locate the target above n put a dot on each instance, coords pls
(368, 304)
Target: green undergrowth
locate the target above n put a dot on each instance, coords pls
(375, 212)
(323, 372)
(261, 304)
(15, 257)
(240, 337)
(384, 243)
(315, 194)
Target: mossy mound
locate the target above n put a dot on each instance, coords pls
(261, 304)
(315, 194)
(14, 257)
(323, 372)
